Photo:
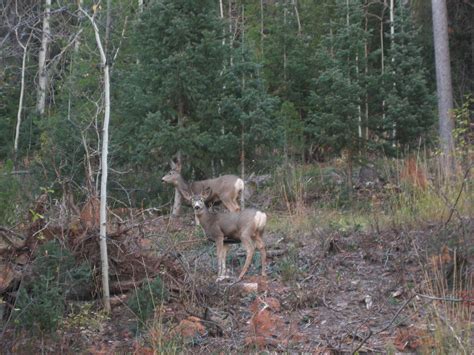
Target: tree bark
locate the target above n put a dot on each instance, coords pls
(177, 196)
(42, 70)
(104, 165)
(22, 93)
(242, 142)
(443, 82)
(297, 14)
(392, 44)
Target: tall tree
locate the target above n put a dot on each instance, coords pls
(22, 91)
(172, 94)
(443, 80)
(42, 57)
(336, 97)
(104, 154)
(409, 103)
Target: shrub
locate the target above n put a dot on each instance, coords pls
(40, 303)
(146, 298)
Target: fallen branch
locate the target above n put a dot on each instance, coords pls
(371, 332)
(434, 298)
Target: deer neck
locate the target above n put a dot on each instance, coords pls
(182, 185)
(206, 219)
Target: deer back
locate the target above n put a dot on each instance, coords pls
(225, 185)
(233, 224)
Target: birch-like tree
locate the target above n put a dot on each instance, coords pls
(24, 47)
(104, 155)
(42, 57)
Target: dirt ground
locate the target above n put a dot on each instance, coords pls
(327, 291)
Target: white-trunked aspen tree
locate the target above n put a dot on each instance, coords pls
(105, 147)
(42, 56)
(22, 91)
(443, 83)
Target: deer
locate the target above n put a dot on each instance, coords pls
(246, 227)
(225, 188)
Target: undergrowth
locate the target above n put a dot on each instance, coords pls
(41, 301)
(146, 299)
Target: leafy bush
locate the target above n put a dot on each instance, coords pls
(146, 298)
(40, 303)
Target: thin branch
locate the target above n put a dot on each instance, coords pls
(453, 208)
(446, 299)
(371, 332)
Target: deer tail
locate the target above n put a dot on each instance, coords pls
(239, 185)
(260, 220)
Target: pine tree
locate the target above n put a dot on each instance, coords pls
(409, 104)
(334, 119)
(173, 89)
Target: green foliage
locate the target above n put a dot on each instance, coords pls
(410, 110)
(173, 89)
(40, 303)
(247, 113)
(462, 133)
(336, 96)
(10, 196)
(146, 298)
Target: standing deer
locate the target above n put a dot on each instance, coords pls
(244, 227)
(225, 188)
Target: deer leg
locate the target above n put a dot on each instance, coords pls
(224, 258)
(236, 206)
(228, 204)
(220, 251)
(263, 254)
(249, 248)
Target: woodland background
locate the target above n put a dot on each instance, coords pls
(327, 109)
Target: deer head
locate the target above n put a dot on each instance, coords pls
(173, 176)
(198, 202)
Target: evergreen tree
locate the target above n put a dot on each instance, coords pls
(409, 104)
(334, 120)
(248, 113)
(172, 91)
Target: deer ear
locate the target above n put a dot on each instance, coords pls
(172, 164)
(206, 192)
(187, 196)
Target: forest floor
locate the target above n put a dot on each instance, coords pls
(327, 291)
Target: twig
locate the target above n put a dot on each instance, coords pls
(454, 333)
(453, 208)
(385, 327)
(434, 298)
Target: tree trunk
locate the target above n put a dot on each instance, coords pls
(242, 142)
(177, 196)
(382, 55)
(297, 14)
(22, 92)
(104, 164)
(443, 82)
(392, 44)
(285, 58)
(42, 70)
(365, 133)
(261, 31)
